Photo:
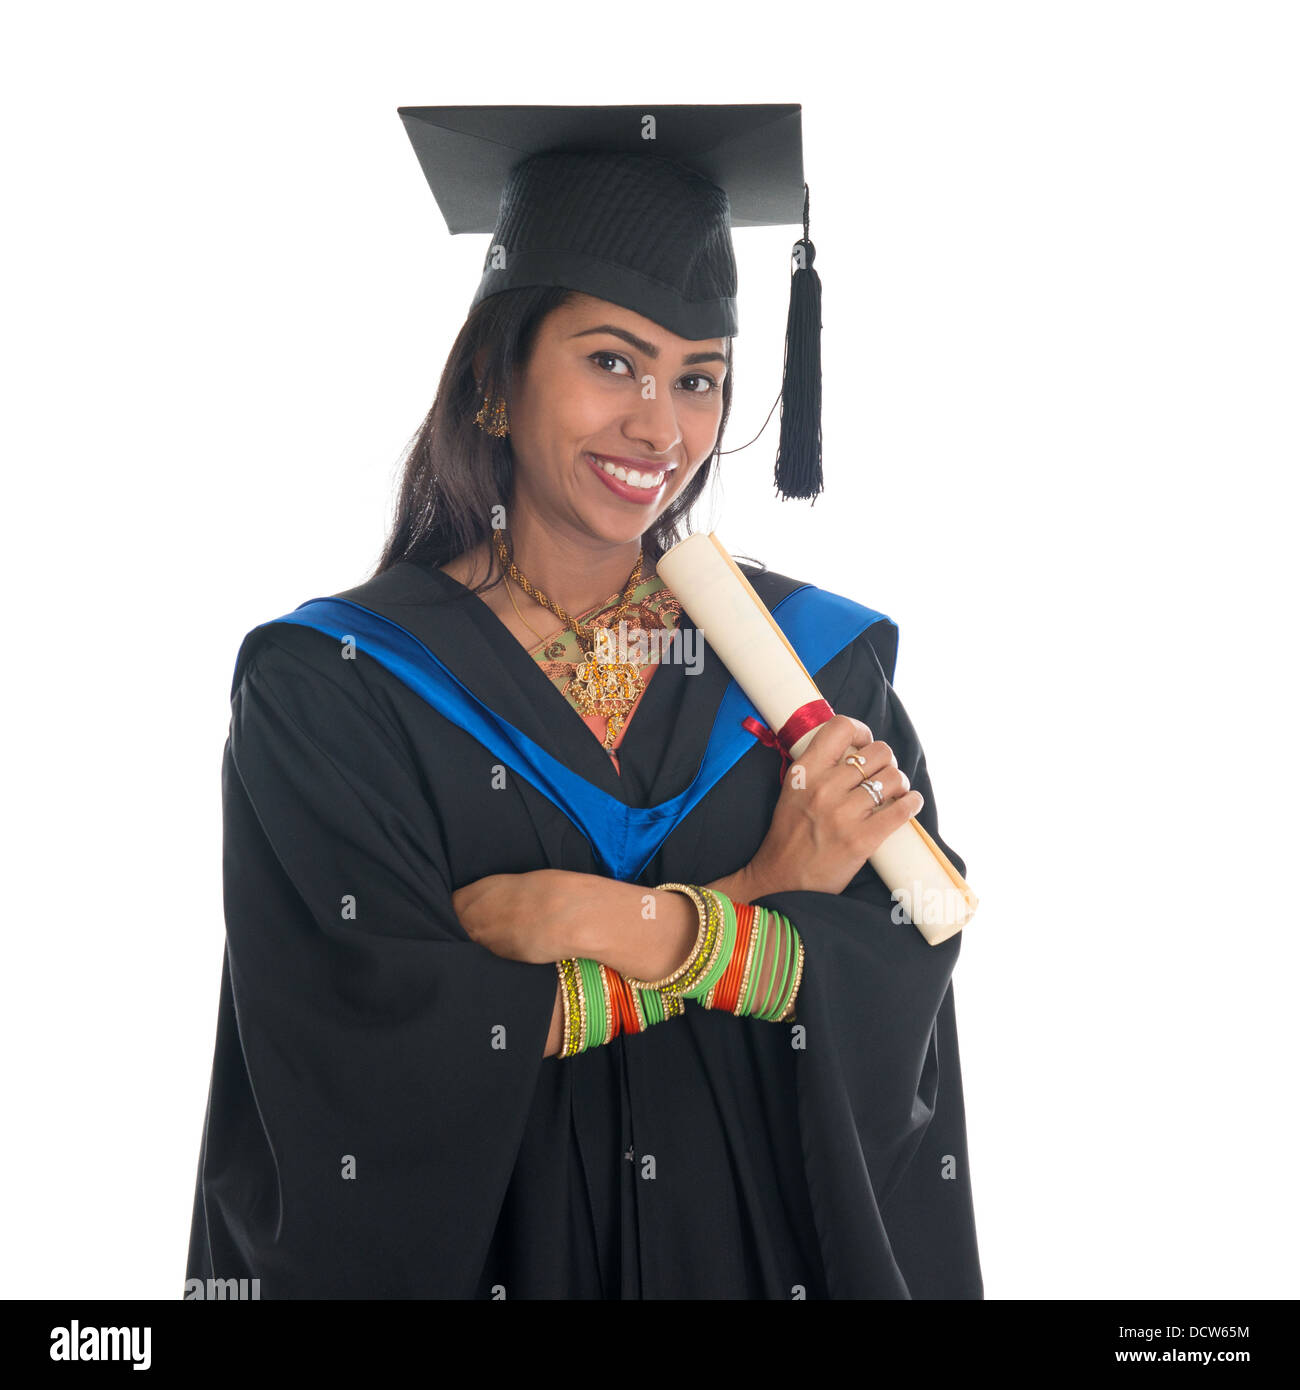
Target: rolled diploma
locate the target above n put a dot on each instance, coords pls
(736, 623)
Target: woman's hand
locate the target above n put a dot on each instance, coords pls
(534, 917)
(826, 824)
(525, 917)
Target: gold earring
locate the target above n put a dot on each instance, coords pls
(491, 418)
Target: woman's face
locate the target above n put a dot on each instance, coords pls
(606, 389)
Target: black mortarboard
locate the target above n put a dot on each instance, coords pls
(635, 205)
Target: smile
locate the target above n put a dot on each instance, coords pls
(635, 484)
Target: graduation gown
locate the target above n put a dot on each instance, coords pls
(381, 1121)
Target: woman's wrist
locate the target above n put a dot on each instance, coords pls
(744, 886)
(616, 929)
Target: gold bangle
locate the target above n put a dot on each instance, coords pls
(694, 967)
(637, 1009)
(609, 1006)
(702, 908)
(715, 936)
(572, 1007)
(578, 993)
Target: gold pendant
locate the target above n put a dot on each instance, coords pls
(612, 725)
(601, 677)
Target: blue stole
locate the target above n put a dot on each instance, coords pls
(818, 624)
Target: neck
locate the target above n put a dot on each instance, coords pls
(574, 574)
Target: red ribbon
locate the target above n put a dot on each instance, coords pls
(806, 718)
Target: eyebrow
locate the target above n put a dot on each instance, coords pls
(649, 349)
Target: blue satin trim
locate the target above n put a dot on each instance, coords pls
(818, 624)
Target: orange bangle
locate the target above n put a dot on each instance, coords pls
(612, 1026)
(731, 976)
(728, 991)
(620, 992)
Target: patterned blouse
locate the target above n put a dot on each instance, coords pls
(653, 607)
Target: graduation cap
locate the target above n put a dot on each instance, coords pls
(635, 205)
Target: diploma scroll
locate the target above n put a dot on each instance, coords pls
(736, 623)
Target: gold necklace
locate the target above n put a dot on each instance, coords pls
(510, 594)
(601, 684)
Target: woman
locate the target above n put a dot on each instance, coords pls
(457, 1056)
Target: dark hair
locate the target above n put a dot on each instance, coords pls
(455, 473)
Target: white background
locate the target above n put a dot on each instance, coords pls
(1058, 244)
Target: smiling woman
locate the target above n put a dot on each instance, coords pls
(639, 420)
(576, 367)
(641, 479)
(539, 982)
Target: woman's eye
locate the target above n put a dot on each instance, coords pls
(703, 384)
(600, 358)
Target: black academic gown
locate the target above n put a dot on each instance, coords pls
(381, 1122)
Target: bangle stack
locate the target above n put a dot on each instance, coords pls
(717, 975)
(600, 1004)
(714, 943)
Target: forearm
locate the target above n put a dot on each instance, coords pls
(645, 934)
(639, 932)
(631, 933)
(761, 979)
(755, 973)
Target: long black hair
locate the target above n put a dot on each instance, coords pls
(455, 473)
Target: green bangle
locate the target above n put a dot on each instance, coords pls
(726, 944)
(760, 1005)
(710, 943)
(588, 1021)
(759, 1008)
(797, 947)
(786, 927)
(756, 965)
(594, 1034)
(658, 1006)
(792, 957)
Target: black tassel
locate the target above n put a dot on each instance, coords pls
(799, 453)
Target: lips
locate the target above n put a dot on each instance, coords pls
(629, 491)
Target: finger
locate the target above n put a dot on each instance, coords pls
(465, 898)
(833, 739)
(898, 811)
(875, 759)
(882, 750)
(893, 783)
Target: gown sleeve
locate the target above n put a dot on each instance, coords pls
(879, 1074)
(374, 1067)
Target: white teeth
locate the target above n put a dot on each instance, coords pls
(648, 481)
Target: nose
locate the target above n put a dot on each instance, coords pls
(654, 422)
